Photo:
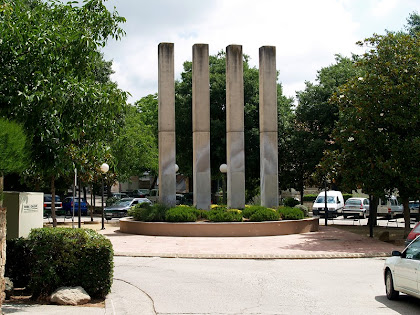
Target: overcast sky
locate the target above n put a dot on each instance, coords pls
(307, 34)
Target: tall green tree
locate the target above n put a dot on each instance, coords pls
(50, 81)
(13, 150)
(379, 119)
(309, 135)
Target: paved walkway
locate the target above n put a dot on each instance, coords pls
(328, 242)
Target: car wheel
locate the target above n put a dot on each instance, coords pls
(364, 215)
(345, 216)
(391, 294)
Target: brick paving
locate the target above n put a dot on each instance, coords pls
(329, 242)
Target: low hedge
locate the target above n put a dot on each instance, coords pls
(148, 213)
(180, 214)
(264, 214)
(288, 213)
(230, 215)
(18, 261)
(64, 257)
(310, 197)
(250, 210)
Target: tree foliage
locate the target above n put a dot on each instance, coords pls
(379, 119)
(309, 133)
(55, 82)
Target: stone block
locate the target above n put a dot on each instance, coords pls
(234, 89)
(70, 296)
(166, 87)
(200, 88)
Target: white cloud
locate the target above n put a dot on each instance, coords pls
(307, 34)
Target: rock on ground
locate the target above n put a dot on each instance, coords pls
(70, 296)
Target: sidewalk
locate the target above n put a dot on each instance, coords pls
(328, 243)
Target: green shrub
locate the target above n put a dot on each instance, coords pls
(290, 202)
(264, 214)
(180, 214)
(304, 209)
(288, 213)
(250, 210)
(148, 213)
(231, 215)
(310, 197)
(18, 261)
(70, 257)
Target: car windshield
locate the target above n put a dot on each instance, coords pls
(124, 202)
(353, 202)
(321, 199)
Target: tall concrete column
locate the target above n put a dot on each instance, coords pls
(235, 142)
(166, 121)
(201, 126)
(268, 127)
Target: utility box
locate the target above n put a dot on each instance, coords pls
(24, 212)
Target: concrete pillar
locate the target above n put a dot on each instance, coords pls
(235, 143)
(166, 121)
(268, 127)
(201, 126)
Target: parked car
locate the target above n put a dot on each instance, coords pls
(413, 234)
(68, 206)
(119, 195)
(335, 203)
(47, 205)
(389, 207)
(358, 207)
(141, 193)
(119, 209)
(401, 271)
(414, 208)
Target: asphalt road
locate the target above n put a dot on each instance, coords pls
(201, 286)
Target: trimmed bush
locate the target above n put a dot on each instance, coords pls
(250, 210)
(231, 215)
(264, 214)
(288, 213)
(18, 261)
(304, 209)
(290, 202)
(69, 257)
(148, 213)
(180, 214)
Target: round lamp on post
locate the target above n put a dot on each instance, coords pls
(104, 170)
(176, 168)
(223, 170)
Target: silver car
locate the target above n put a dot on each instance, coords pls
(401, 271)
(120, 208)
(358, 207)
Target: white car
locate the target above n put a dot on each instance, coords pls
(120, 208)
(358, 207)
(402, 271)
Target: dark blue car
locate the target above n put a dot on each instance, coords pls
(68, 206)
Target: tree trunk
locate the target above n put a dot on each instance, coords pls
(53, 216)
(406, 211)
(1, 189)
(92, 196)
(301, 195)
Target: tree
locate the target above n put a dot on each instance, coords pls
(13, 150)
(183, 106)
(413, 26)
(135, 149)
(53, 80)
(309, 134)
(379, 119)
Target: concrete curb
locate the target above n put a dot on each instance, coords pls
(255, 256)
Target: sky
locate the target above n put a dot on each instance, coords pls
(307, 34)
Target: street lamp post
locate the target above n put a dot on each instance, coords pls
(223, 170)
(104, 169)
(326, 206)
